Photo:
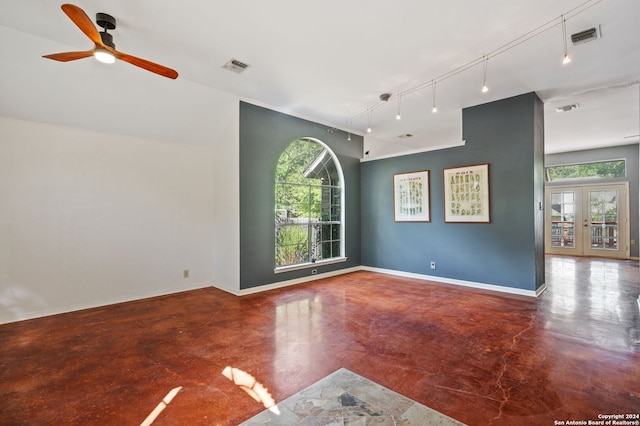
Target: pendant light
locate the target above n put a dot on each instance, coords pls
(485, 62)
(433, 87)
(565, 59)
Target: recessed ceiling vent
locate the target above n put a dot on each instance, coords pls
(235, 66)
(586, 35)
(566, 108)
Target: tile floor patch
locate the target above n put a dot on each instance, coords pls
(347, 399)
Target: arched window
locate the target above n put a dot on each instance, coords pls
(309, 217)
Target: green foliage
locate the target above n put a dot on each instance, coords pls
(291, 245)
(605, 169)
(302, 203)
(295, 193)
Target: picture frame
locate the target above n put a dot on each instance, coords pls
(411, 197)
(466, 194)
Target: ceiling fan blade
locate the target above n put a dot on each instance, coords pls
(148, 65)
(69, 56)
(82, 21)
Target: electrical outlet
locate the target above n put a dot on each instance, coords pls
(433, 265)
(185, 273)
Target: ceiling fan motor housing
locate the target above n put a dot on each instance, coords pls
(106, 21)
(107, 39)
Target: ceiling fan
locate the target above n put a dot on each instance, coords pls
(104, 49)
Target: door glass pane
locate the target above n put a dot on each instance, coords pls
(596, 237)
(604, 220)
(568, 197)
(611, 237)
(562, 219)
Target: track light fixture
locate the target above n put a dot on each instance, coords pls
(433, 89)
(565, 59)
(543, 28)
(485, 63)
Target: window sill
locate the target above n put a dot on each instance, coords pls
(308, 265)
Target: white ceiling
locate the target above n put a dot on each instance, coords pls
(327, 61)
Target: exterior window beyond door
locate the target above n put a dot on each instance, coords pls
(309, 219)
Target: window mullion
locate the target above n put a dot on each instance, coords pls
(309, 229)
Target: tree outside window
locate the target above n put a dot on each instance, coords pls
(595, 170)
(308, 197)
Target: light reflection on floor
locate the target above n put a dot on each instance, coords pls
(587, 300)
(251, 386)
(298, 329)
(161, 406)
(564, 296)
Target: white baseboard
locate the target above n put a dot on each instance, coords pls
(288, 283)
(482, 286)
(471, 284)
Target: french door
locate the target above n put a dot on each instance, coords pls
(587, 220)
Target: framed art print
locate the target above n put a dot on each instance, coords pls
(466, 194)
(411, 197)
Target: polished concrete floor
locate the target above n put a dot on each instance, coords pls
(479, 357)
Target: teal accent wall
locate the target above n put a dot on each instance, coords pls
(627, 152)
(264, 134)
(508, 251)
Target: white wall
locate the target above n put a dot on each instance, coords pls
(88, 218)
(226, 177)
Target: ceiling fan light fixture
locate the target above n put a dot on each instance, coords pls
(103, 55)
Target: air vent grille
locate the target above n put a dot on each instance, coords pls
(585, 36)
(566, 108)
(235, 66)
